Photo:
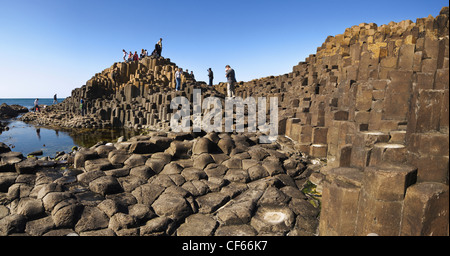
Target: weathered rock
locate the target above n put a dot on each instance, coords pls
(197, 225)
(40, 226)
(29, 207)
(65, 213)
(92, 218)
(14, 223)
(146, 194)
(172, 206)
(211, 202)
(82, 155)
(105, 185)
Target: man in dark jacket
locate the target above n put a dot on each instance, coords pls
(211, 77)
(231, 80)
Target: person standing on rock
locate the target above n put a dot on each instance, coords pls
(124, 55)
(159, 47)
(231, 80)
(178, 78)
(135, 56)
(55, 99)
(82, 107)
(211, 76)
(36, 105)
(130, 57)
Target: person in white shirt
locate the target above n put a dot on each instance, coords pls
(178, 78)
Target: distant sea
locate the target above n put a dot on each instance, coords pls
(28, 102)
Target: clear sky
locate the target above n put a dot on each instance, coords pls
(54, 46)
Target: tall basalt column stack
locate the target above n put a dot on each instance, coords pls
(374, 102)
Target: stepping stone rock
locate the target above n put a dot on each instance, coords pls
(105, 185)
(92, 218)
(172, 206)
(211, 202)
(197, 225)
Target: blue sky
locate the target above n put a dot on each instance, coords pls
(53, 47)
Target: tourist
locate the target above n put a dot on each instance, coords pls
(192, 75)
(130, 57)
(231, 80)
(211, 77)
(178, 78)
(135, 56)
(124, 55)
(157, 51)
(55, 99)
(82, 107)
(142, 55)
(36, 105)
(159, 47)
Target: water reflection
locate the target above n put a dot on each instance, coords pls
(26, 138)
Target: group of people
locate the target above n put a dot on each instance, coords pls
(129, 57)
(229, 74)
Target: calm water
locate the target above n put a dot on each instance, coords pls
(26, 138)
(29, 102)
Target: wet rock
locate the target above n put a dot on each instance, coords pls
(27, 166)
(6, 180)
(4, 148)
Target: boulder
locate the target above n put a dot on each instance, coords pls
(172, 206)
(105, 185)
(83, 155)
(40, 226)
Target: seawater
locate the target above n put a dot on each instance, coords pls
(29, 102)
(26, 138)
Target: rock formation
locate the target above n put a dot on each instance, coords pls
(372, 102)
(160, 184)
